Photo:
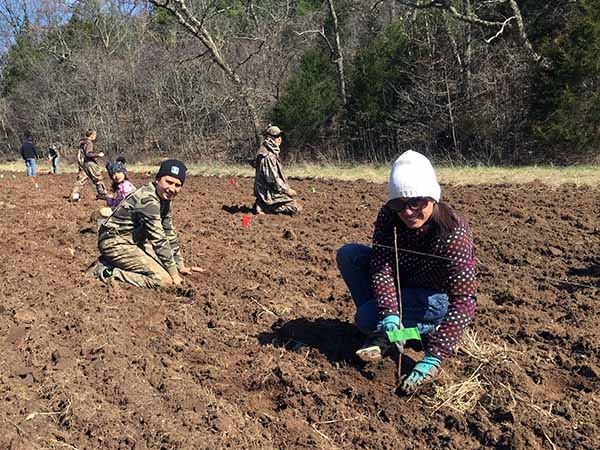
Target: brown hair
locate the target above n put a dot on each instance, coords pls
(444, 219)
(89, 132)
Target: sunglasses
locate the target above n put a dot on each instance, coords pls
(414, 204)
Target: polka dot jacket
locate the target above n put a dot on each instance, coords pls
(453, 274)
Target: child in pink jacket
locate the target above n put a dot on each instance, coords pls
(121, 186)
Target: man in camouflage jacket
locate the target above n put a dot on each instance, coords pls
(137, 242)
(271, 189)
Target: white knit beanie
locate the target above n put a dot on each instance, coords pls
(412, 175)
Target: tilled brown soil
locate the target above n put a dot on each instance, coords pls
(262, 356)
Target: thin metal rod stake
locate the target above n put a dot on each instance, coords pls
(399, 295)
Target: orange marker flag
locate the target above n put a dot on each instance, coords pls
(246, 221)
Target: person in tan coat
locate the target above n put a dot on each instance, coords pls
(271, 189)
(87, 158)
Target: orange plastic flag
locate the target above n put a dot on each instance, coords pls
(246, 221)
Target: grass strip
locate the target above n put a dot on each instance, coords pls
(456, 175)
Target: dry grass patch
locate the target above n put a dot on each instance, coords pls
(453, 175)
(461, 397)
(484, 352)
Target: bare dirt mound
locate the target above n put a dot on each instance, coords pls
(262, 355)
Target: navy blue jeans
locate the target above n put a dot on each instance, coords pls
(421, 308)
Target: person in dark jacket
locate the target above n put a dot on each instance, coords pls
(29, 155)
(419, 273)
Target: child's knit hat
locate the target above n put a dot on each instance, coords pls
(115, 167)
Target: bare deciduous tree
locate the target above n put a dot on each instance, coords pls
(339, 53)
(197, 28)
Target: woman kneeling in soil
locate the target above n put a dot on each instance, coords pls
(436, 268)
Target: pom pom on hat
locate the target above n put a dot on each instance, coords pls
(115, 167)
(412, 175)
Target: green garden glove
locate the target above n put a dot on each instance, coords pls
(427, 368)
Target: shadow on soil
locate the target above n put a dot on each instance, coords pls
(593, 270)
(335, 339)
(236, 209)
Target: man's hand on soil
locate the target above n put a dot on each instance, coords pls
(177, 280)
(428, 367)
(291, 192)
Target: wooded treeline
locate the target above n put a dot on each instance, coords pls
(490, 81)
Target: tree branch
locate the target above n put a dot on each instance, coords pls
(254, 53)
(475, 20)
(522, 33)
(193, 58)
(321, 33)
(500, 31)
(339, 60)
(445, 5)
(197, 29)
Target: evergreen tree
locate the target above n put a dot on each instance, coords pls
(566, 107)
(380, 74)
(309, 100)
(21, 58)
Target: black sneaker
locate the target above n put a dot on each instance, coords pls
(257, 210)
(100, 271)
(375, 347)
(105, 274)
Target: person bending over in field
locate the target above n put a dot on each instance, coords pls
(54, 157)
(137, 243)
(87, 159)
(436, 271)
(271, 189)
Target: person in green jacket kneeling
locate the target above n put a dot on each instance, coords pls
(137, 243)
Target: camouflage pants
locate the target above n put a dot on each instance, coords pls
(133, 264)
(290, 208)
(89, 170)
